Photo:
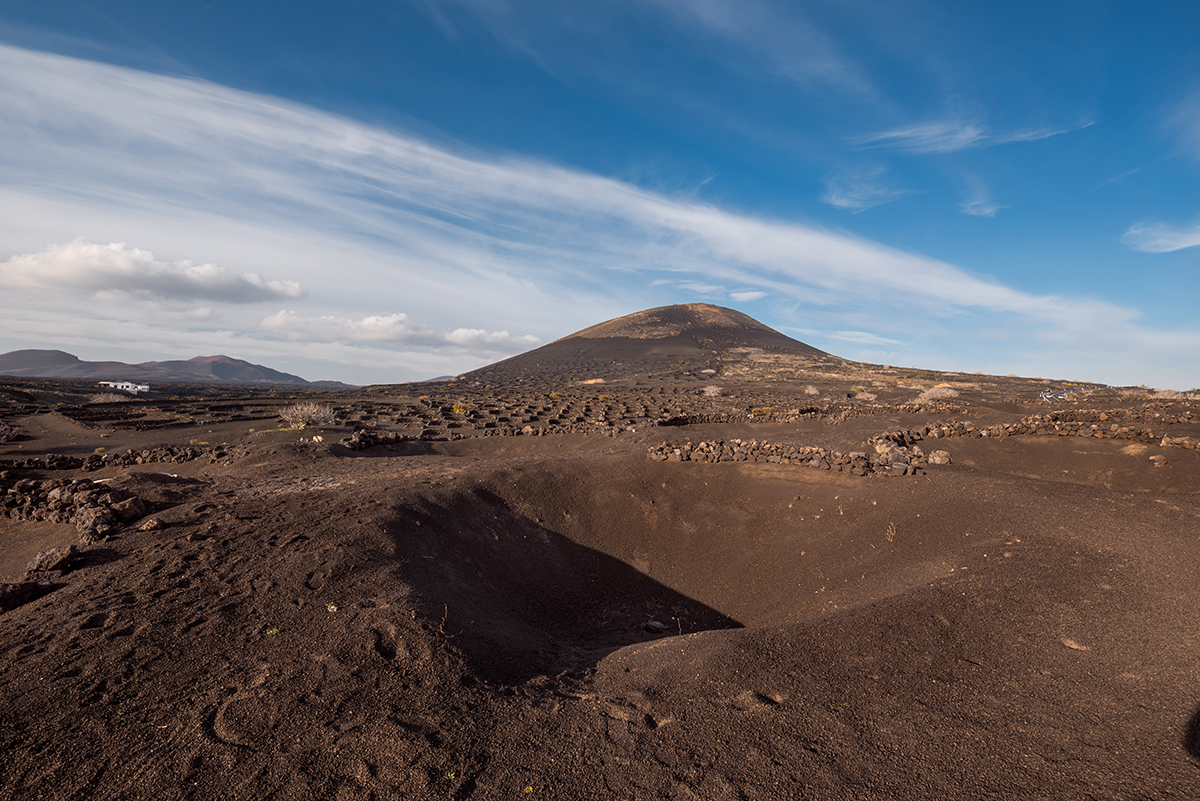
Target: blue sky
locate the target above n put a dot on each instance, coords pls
(385, 191)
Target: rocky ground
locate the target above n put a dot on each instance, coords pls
(762, 581)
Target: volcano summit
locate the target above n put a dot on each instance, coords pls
(670, 341)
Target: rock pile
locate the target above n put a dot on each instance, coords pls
(217, 454)
(8, 432)
(367, 437)
(1117, 424)
(890, 456)
(95, 510)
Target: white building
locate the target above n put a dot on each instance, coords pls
(127, 386)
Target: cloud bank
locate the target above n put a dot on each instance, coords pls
(390, 328)
(82, 267)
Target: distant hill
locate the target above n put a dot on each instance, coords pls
(692, 338)
(218, 369)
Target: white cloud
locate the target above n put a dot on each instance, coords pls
(390, 328)
(1161, 238)
(706, 290)
(747, 295)
(979, 202)
(939, 136)
(863, 338)
(858, 190)
(794, 48)
(329, 328)
(494, 341)
(981, 207)
(948, 136)
(1034, 134)
(81, 267)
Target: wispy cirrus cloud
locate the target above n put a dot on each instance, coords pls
(939, 136)
(950, 135)
(979, 202)
(859, 190)
(751, 36)
(1161, 237)
(795, 48)
(83, 267)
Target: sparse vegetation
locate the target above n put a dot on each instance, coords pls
(459, 408)
(811, 390)
(713, 391)
(307, 413)
(109, 397)
(936, 393)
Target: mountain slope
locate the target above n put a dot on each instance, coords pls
(689, 340)
(58, 364)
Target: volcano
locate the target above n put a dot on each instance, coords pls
(684, 340)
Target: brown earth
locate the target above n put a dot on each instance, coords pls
(509, 598)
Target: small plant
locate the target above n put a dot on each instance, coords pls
(713, 391)
(307, 413)
(603, 398)
(935, 393)
(271, 632)
(556, 394)
(459, 408)
(108, 397)
(761, 410)
(811, 390)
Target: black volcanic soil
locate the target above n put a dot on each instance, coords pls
(510, 599)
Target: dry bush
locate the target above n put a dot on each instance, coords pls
(867, 396)
(811, 390)
(713, 391)
(108, 397)
(936, 393)
(307, 413)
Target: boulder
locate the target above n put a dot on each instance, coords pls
(129, 509)
(53, 559)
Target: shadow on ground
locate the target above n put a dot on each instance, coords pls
(1191, 735)
(520, 600)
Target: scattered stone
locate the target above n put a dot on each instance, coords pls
(939, 457)
(53, 559)
(129, 509)
(151, 524)
(1158, 461)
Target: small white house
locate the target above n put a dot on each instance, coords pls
(127, 386)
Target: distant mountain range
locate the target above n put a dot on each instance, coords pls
(215, 369)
